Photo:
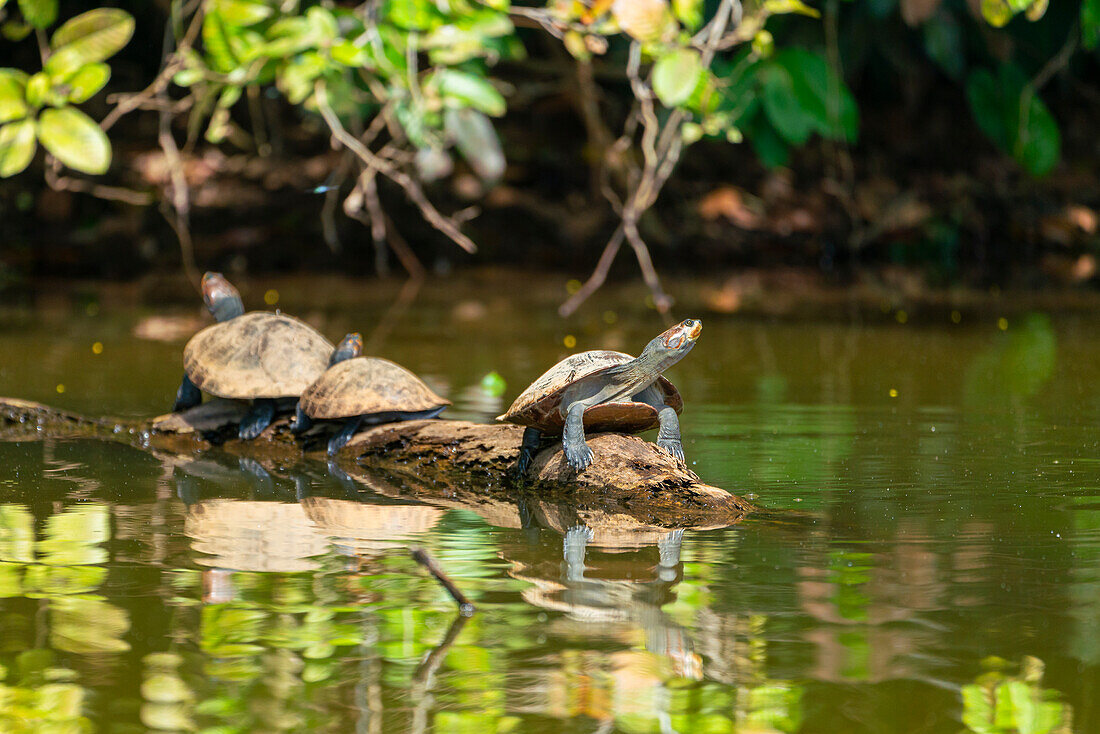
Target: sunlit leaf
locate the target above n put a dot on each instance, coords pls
(997, 12)
(75, 139)
(778, 7)
(216, 43)
(243, 12)
(87, 81)
(469, 90)
(322, 24)
(17, 146)
(89, 37)
(13, 86)
(644, 20)
(675, 76)
(39, 13)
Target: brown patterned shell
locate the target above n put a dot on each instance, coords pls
(256, 355)
(538, 405)
(366, 385)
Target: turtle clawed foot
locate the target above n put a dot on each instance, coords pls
(579, 458)
(673, 447)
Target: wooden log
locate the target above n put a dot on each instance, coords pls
(630, 479)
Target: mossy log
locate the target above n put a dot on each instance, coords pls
(630, 477)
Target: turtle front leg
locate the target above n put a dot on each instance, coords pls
(531, 440)
(301, 422)
(337, 442)
(258, 417)
(188, 396)
(576, 449)
(668, 436)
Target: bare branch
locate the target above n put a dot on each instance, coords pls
(392, 172)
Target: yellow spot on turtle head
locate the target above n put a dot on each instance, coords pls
(893, 392)
(569, 341)
(271, 297)
(1002, 324)
(97, 348)
(60, 387)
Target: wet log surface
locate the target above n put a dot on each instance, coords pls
(630, 483)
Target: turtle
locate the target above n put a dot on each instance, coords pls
(258, 356)
(360, 390)
(604, 390)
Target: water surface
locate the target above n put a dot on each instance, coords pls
(931, 562)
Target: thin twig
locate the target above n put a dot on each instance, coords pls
(599, 275)
(465, 607)
(377, 222)
(392, 172)
(100, 191)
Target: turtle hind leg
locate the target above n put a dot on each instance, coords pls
(531, 440)
(576, 449)
(188, 396)
(337, 442)
(301, 422)
(257, 418)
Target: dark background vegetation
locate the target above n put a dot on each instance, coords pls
(921, 191)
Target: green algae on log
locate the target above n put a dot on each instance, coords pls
(630, 477)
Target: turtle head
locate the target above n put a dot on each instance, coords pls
(672, 345)
(350, 346)
(219, 295)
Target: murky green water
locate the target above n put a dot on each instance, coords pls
(939, 570)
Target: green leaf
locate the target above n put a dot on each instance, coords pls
(675, 76)
(323, 25)
(88, 38)
(243, 12)
(15, 31)
(469, 90)
(216, 43)
(1038, 143)
(780, 7)
(87, 81)
(821, 94)
(943, 41)
(13, 89)
(1090, 23)
(768, 145)
(1018, 125)
(38, 87)
(39, 13)
(346, 52)
(781, 106)
(997, 12)
(74, 139)
(16, 147)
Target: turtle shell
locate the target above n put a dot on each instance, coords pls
(256, 355)
(366, 385)
(538, 405)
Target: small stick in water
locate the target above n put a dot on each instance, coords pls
(465, 606)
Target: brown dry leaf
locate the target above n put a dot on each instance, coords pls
(728, 202)
(1083, 217)
(915, 12)
(644, 20)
